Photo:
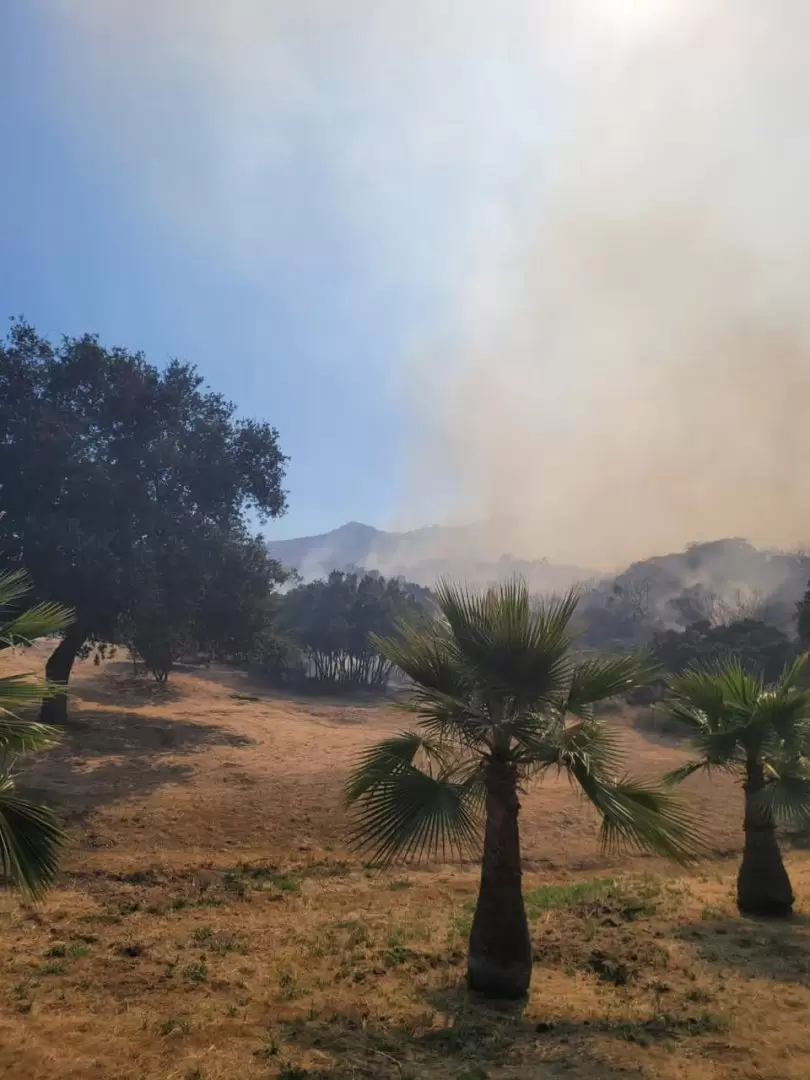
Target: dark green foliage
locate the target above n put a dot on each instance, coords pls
(331, 624)
(212, 595)
(755, 645)
(760, 733)
(803, 620)
(275, 657)
(120, 479)
(30, 836)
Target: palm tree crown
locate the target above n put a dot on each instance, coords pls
(500, 699)
(494, 678)
(761, 734)
(30, 836)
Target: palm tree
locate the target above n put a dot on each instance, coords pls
(500, 700)
(761, 734)
(30, 836)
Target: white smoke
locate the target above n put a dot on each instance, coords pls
(602, 205)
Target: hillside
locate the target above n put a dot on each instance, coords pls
(472, 553)
(718, 580)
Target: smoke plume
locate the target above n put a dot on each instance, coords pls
(603, 204)
(641, 378)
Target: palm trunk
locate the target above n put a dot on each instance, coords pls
(500, 960)
(763, 885)
(57, 670)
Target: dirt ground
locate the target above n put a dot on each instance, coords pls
(209, 922)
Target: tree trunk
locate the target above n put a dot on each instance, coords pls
(763, 885)
(60, 663)
(500, 960)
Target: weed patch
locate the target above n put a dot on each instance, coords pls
(174, 1024)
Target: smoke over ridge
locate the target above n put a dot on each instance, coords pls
(605, 202)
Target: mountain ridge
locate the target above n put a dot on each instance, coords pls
(471, 552)
(715, 577)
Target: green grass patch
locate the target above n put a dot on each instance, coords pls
(55, 967)
(243, 879)
(629, 899)
(712, 914)
(196, 973)
(562, 897)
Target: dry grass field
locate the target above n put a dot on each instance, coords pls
(209, 923)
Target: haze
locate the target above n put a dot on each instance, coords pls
(601, 209)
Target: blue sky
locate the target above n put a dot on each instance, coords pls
(308, 336)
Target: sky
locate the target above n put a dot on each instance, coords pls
(287, 306)
(536, 262)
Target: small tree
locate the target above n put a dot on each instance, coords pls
(333, 623)
(501, 700)
(30, 836)
(760, 733)
(153, 633)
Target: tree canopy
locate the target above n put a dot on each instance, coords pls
(755, 645)
(114, 473)
(213, 593)
(332, 622)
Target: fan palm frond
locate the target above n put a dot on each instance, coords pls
(405, 810)
(786, 798)
(589, 748)
(515, 652)
(30, 839)
(733, 714)
(37, 621)
(597, 679)
(782, 712)
(14, 585)
(440, 693)
(650, 819)
(697, 700)
(30, 836)
(20, 736)
(379, 762)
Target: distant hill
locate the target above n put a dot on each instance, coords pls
(719, 580)
(467, 552)
(733, 572)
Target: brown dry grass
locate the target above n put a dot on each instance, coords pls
(209, 923)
